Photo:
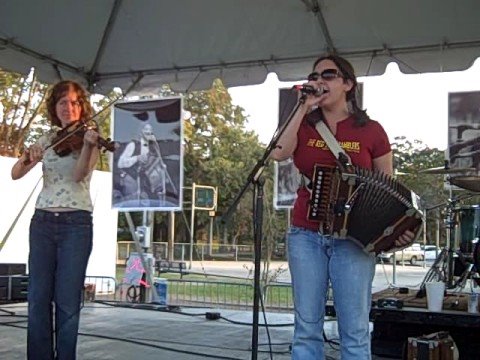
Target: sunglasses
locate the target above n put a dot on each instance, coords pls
(327, 74)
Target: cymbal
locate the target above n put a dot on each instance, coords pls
(444, 170)
(471, 183)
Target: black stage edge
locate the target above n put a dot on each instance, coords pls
(392, 328)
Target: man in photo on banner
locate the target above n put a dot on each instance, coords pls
(143, 170)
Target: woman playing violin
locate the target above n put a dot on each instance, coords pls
(61, 229)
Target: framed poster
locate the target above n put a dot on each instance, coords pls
(464, 139)
(148, 163)
(286, 180)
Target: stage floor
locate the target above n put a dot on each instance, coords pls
(118, 333)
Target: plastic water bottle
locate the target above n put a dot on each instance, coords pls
(161, 289)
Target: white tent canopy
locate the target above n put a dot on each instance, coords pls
(187, 43)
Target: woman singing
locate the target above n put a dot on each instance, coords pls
(316, 259)
(61, 228)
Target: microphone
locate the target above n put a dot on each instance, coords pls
(308, 89)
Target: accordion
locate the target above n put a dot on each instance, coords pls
(366, 206)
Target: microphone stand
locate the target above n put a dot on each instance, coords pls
(255, 179)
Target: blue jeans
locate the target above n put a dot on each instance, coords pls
(60, 245)
(314, 261)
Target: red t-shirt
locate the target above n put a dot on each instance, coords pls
(361, 143)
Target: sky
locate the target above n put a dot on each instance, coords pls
(414, 106)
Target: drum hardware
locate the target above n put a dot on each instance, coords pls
(443, 267)
(437, 272)
(471, 183)
(467, 178)
(442, 170)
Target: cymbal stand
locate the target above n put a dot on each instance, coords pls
(470, 272)
(450, 223)
(437, 272)
(442, 268)
(462, 280)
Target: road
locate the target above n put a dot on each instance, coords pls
(405, 275)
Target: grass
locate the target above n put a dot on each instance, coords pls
(218, 290)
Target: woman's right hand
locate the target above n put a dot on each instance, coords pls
(311, 100)
(33, 154)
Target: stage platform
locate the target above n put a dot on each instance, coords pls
(110, 330)
(108, 333)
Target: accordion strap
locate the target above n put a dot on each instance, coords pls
(332, 143)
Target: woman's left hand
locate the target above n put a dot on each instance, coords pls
(405, 239)
(90, 138)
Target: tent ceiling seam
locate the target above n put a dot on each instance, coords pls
(14, 46)
(57, 70)
(317, 11)
(103, 43)
(314, 7)
(390, 52)
(385, 50)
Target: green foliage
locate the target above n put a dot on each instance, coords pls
(102, 117)
(409, 159)
(21, 99)
(219, 151)
(25, 117)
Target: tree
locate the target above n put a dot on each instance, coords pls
(102, 116)
(21, 98)
(24, 117)
(219, 151)
(409, 159)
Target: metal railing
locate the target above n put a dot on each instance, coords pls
(204, 293)
(101, 287)
(181, 251)
(276, 296)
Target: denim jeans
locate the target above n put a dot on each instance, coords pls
(60, 245)
(314, 261)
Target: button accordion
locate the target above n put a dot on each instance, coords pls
(366, 206)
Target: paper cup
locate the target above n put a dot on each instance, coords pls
(473, 303)
(435, 292)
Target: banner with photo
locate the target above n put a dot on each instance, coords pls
(286, 174)
(148, 162)
(286, 180)
(463, 152)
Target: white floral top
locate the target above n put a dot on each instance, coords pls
(59, 188)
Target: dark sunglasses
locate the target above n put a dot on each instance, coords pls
(327, 74)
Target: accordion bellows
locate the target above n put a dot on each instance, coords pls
(366, 206)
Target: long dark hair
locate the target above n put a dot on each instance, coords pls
(348, 73)
(58, 91)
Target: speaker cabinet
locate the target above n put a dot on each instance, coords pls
(13, 287)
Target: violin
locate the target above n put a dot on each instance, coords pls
(70, 138)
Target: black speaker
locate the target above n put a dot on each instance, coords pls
(13, 269)
(13, 287)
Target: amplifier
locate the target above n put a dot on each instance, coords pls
(13, 269)
(13, 287)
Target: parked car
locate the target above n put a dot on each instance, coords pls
(431, 252)
(411, 254)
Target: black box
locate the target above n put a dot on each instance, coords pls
(13, 269)
(392, 328)
(13, 287)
